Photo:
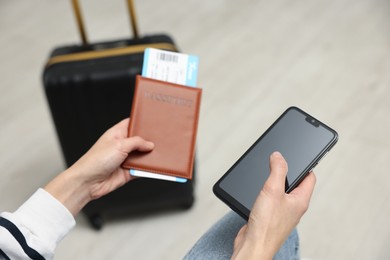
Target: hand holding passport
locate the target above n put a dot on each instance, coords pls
(166, 114)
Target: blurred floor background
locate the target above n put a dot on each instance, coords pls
(331, 58)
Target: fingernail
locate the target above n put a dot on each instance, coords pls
(276, 154)
(150, 144)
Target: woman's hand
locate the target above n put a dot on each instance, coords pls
(274, 214)
(99, 171)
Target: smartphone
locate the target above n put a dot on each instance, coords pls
(302, 140)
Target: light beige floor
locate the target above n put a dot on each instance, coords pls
(331, 58)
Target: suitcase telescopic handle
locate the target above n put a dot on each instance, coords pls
(80, 22)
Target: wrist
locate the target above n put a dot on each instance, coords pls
(69, 190)
(253, 244)
(251, 249)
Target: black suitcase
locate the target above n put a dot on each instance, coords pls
(89, 88)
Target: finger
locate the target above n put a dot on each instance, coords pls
(123, 126)
(124, 122)
(120, 129)
(116, 180)
(306, 187)
(278, 170)
(137, 143)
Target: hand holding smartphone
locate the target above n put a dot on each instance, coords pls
(300, 138)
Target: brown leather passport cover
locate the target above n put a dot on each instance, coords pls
(166, 114)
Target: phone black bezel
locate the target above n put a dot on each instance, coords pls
(235, 204)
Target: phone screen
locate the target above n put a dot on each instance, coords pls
(299, 137)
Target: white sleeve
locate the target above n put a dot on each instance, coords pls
(34, 230)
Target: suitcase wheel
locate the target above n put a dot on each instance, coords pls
(188, 204)
(96, 221)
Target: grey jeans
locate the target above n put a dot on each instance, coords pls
(217, 242)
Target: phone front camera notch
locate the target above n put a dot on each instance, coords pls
(313, 121)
